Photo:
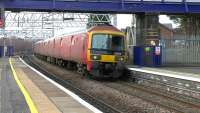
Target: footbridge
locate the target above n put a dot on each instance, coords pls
(105, 6)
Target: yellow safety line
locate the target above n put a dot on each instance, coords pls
(23, 90)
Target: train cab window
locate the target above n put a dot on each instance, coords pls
(108, 42)
(117, 43)
(100, 41)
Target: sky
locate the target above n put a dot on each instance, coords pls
(165, 19)
(124, 20)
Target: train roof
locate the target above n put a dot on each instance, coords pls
(94, 28)
(103, 27)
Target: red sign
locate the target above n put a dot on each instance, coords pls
(1, 23)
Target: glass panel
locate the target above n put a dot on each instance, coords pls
(108, 42)
(100, 41)
(117, 43)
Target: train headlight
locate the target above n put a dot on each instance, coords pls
(119, 58)
(95, 57)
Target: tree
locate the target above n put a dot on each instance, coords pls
(190, 24)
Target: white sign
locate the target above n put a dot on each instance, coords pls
(157, 50)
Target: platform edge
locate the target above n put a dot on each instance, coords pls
(27, 97)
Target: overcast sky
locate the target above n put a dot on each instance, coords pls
(124, 20)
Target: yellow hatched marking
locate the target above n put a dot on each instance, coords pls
(23, 90)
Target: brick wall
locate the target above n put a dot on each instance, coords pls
(166, 32)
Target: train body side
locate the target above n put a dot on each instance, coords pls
(78, 48)
(69, 48)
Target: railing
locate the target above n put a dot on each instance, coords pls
(114, 1)
(114, 6)
(181, 51)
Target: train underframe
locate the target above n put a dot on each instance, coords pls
(107, 70)
(98, 69)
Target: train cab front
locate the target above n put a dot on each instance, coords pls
(107, 55)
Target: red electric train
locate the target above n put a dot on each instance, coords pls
(99, 51)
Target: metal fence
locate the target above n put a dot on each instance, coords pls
(180, 51)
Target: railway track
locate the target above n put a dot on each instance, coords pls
(171, 90)
(190, 88)
(172, 101)
(94, 101)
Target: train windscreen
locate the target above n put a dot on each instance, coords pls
(108, 42)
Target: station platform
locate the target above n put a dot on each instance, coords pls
(185, 77)
(185, 73)
(12, 99)
(191, 70)
(25, 90)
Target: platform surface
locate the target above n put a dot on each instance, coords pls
(12, 100)
(46, 96)
(186, 73)
(191, 70)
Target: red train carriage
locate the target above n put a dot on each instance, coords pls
(100, 51)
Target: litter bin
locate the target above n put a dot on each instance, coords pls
(1, 51)
(10, 51)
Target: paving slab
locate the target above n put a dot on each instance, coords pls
(47, 97)
(12, 99)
